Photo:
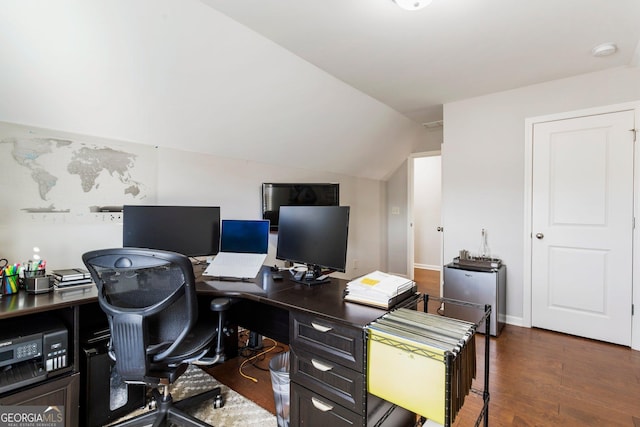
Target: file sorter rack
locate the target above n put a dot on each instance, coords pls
(450, 362)
(486, 318)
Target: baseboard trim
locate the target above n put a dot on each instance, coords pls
(427, 267)
(513, 320)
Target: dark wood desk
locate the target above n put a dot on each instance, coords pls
(24, 304)
(61, 386)
(326, 337)
(283, 297)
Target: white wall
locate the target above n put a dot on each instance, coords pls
(188, 178)
(179, 74)
(235, 185)
(427, 196)
(397, 221)
(397, 200)
(483, 163)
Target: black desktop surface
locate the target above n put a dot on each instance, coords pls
(267, 312)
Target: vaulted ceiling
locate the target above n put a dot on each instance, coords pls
(415, 61)
(334, 85)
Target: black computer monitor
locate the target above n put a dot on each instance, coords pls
(315, 236)
(189, 230)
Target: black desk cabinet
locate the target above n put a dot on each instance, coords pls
(328, 376)
(63, 391)
(62, 386)
(326, 337)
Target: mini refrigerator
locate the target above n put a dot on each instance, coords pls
(476, 285)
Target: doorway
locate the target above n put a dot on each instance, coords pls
(581, 225)
(425, 232)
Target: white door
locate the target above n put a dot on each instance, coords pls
(582, 226)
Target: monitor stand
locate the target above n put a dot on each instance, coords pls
(313, 276)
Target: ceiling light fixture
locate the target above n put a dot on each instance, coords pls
(412, 4)
(604, 49)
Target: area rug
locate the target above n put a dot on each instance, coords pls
(237, 411)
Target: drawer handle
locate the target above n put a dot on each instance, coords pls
(320, 405)
(321, 366)
(320, 328)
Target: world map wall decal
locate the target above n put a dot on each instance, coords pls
(49, 172)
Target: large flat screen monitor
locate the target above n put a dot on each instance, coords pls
(189, 230)
(315, 236)
(275, 195)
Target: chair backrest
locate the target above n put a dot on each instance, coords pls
(150, 300)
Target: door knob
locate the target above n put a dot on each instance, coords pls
(539, 235)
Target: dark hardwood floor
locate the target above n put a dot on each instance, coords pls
(249, 374)
(537, 378)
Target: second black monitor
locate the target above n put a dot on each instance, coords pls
(315, 236)
(189, 230)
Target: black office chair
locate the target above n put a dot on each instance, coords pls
(150, 300)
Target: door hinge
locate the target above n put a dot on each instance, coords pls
(632, 309)
(635, 134)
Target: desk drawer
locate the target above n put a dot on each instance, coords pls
(328, 379)
(311, 410)
(333, 341)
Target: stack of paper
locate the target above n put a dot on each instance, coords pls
(378, 289)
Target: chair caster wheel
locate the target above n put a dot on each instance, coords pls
(218, 402)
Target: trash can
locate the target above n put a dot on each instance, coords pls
(279, 369)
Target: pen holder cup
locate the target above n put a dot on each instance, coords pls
(28, 277)
(10, 284)
(38, 284)
(33, 273)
